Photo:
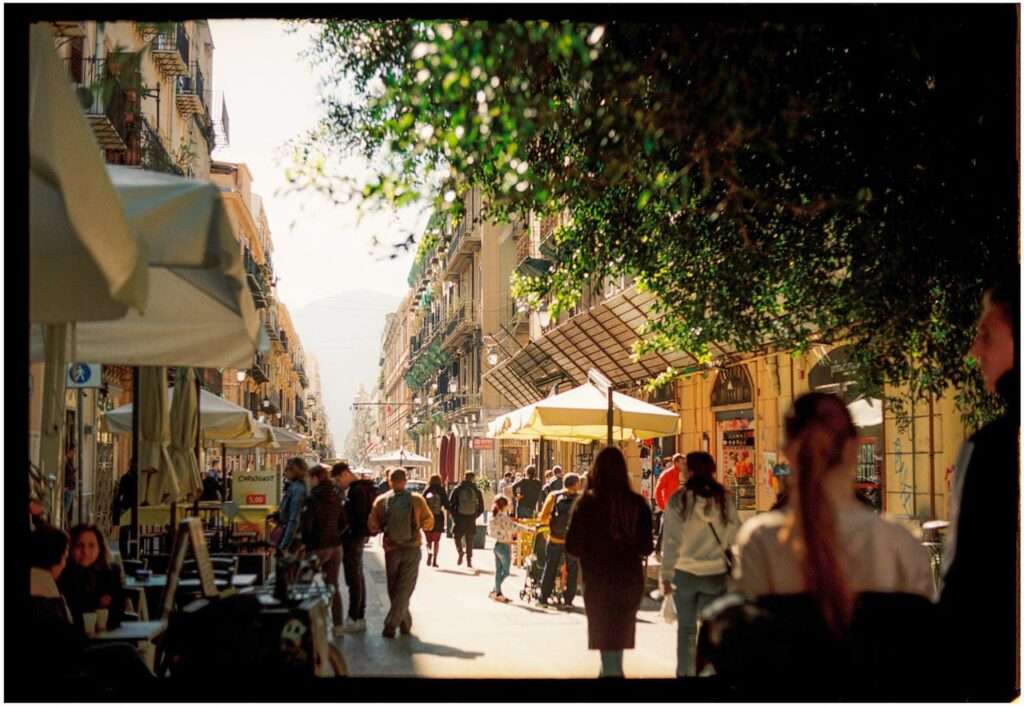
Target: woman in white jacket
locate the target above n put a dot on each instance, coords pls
(700, 523)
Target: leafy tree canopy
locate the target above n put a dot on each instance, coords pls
(770, 175)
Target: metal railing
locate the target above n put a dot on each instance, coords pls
(177, 38)
(109, 99)
(194, 84)
(146, 150)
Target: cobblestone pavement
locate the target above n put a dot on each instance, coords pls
(459, 632)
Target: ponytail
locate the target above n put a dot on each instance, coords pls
(823, 426)
(823, 575)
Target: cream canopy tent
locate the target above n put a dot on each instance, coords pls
(85, 262)
(262, 437)
(219, 420)
(289, 441)
(401, 457)
(581, 414)
(198, 311)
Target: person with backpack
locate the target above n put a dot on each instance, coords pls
(323, 522)
(467, 504)
(556, 514)
(400, 515)
(437, 501)
(359, 494)
(700, 523)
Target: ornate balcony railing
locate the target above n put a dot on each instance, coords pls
(107, 105)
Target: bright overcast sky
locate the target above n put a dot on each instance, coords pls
(319, 249)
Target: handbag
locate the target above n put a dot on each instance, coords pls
(730, 561)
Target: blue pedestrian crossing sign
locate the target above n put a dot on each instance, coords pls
(84, 375)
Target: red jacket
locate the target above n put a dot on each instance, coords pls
(668, 483)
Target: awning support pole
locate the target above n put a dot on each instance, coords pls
(133, 544)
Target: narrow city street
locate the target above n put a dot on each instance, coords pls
(459, 632)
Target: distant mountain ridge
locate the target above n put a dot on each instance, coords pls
(344, 331)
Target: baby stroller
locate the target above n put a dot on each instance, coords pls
(534, 566)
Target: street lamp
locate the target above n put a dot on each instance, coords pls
(492, 357)
(240, 376)
(544, 316)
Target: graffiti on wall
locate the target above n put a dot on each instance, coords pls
(904, 479)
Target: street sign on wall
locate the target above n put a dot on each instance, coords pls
(482, 444)
(82, 375)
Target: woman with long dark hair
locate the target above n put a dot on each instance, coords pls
(700, 523)
(89, 582)
(826, 542)
(611, 533)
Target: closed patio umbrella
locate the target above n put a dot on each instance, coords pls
(50, 455)
(159, 482)
(184, 433)
(85, 263)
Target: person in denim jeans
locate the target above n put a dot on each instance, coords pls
(700, 521)
(503, 528)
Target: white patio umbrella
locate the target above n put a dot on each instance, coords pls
(866, 412)
(85, 262)
(198, 311)
(401, 457)
(219, 420)
(289, 441)
(184, 433)
(159, 482)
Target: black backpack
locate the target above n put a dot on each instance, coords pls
(560, 514)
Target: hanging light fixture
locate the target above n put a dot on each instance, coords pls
(492, 356)
(240, 376)
(544, 316)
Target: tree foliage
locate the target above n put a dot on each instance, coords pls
(782, 177)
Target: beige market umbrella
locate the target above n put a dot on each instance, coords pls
(219, 420)
(199, 311)
(184, 433)
(401, 457)
(85, 263)
(581, 414)
(289, 441)
(159, 482)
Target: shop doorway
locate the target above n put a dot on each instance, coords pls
(732, 399)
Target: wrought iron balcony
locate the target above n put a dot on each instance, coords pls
(107, 105)
(301, 371)
(260, 371)
(465, 241)
(257, 282)
(190, 93)
(169, 48)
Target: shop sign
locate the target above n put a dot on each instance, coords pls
(482, 444)
(260, 488)
(732, 386)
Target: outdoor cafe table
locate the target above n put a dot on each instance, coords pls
(158, 582)
(141, 634)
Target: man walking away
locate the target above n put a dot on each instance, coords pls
(979, 603)
(358, 494)
(325, 522)
(467, 503)
(437, 501)
(400, 515)
(211, 483)
(527, 493)
(555, 514)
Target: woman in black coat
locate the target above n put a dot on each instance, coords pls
(89, 582)
(611, 533)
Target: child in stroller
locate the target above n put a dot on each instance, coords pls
(534, 566)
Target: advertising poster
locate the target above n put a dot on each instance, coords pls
(257, 488)
(736, 462)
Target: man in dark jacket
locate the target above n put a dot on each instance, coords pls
(323, 525)
(212, 490)
(527, 493)
(979, 603)
(467, 503)
(552, 486)
(359, 495)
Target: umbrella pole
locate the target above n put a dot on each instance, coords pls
(611, 416)
(224, 470)
(133, 544)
